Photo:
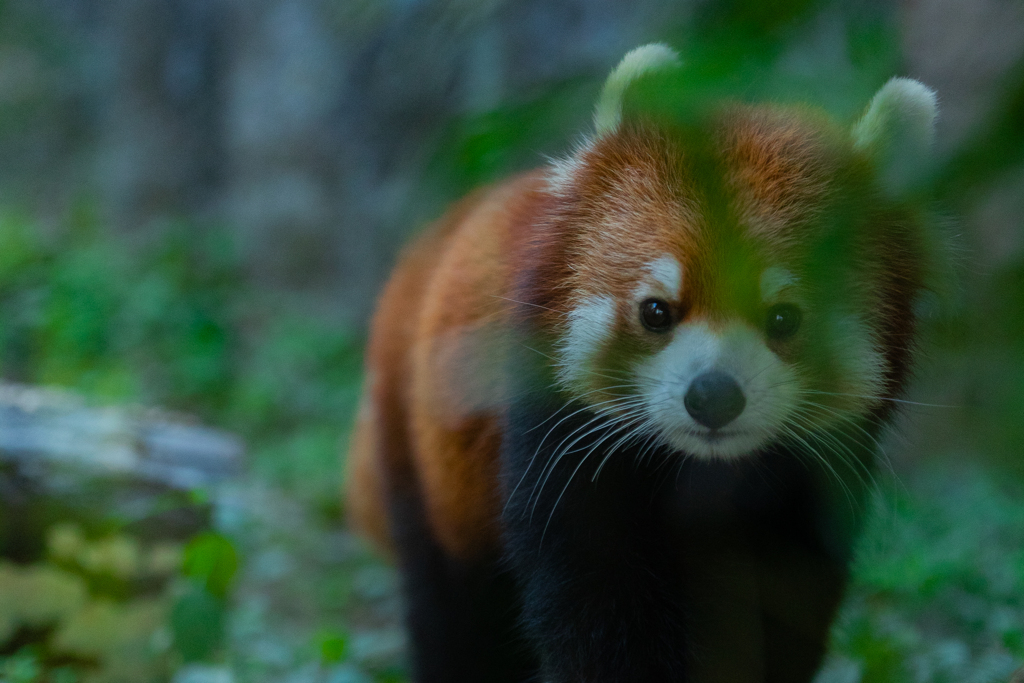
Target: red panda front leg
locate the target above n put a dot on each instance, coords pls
(461, 615)
(600, 590)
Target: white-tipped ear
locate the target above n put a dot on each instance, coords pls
(636, 63)
(898, 130)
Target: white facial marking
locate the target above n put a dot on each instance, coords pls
(667, 274)
(773, 281)
(664, 279)
(769, 387)
(590, 325)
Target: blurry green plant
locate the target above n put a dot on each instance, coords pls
(199, 611)
(197, 621)
(93, 610)
(211, 563)
(936, 597)
(112, 609)
(171, 324)
(333, 646)
(294, 397)
(80, 310)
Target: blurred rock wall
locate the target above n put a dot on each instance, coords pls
(301, 124)
(972, 53)
(304, 125)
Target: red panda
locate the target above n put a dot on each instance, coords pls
(620, 412)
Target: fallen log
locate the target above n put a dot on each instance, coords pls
(42, 427)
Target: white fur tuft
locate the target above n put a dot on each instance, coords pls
(562, 172)
(636, 63)
(902, 107)
(667, 274)
(774, 281)
(591, 323)
(898, 129)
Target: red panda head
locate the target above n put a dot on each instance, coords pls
(724, 284)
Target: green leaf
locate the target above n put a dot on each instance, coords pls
(333, 646)
(211, 560)
(197, 622)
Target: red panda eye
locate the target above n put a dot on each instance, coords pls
(783, 321)
(655, 315)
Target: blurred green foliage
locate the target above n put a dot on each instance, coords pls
(333, 646)
(199, 612)
(84, 311)
(197, 621)
(165, 323)
(94, 609)
(112, 608)
(171, 323)
(938, 591)
(211, 562)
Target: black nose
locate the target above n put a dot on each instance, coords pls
(714, 399)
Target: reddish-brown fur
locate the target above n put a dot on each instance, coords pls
(433, 397)
(443, 298)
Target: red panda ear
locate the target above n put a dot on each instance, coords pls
(898, 130)
(636, 63)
